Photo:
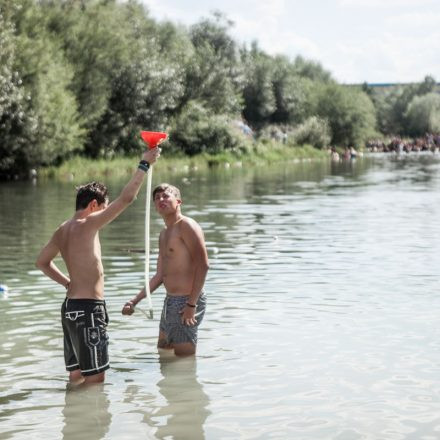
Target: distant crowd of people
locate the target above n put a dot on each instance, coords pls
(429, 142)
(349, 153)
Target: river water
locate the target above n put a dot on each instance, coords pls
(322, 319)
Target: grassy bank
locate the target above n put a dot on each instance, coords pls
(81, 169)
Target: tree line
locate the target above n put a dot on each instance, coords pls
(85, 76)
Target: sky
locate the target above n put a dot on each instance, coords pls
(373, 41)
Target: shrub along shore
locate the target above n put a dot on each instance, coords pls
(80, 169)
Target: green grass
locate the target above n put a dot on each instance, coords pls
(81, 169)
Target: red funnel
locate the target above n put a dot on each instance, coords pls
(153, 138)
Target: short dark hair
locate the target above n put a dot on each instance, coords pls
(167, 187)
(91, 191)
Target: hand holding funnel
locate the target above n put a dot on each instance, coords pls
(153, 138)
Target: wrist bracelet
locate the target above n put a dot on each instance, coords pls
(144, 165)
(191, 305)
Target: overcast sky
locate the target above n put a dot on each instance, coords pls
(356, 40)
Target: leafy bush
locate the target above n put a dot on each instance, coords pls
(423, 114)
(274, 132)
(314, 131)
(196, 131)
(349, 112)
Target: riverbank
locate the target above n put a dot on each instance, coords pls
(80, 168)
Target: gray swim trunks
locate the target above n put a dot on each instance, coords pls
(171, 319)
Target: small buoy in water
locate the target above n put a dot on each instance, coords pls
(3, 290)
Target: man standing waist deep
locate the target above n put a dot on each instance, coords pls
(84, 316)
(182, 266)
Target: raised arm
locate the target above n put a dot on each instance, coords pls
(45, 261)
(128, 194)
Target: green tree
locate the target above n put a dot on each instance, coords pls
(93, 38)
(16, 124)
(126, 74)
(392, 105)
(349, 112)
(145, 91)
(423, 114)
(214, 73)
(292, 93)
(258, 93)
(40, 121)
(197, 130)
(312, 70)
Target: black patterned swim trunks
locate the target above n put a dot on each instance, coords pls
(85, 335)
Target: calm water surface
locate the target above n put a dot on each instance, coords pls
(322, 320)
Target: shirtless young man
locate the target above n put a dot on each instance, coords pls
(182, 266)
(83, 314)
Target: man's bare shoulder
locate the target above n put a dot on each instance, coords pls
(188, 221)
(189, 225)
(61, 228)
(64, 225)
(87, 222)
(71, 228)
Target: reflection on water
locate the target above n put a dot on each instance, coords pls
(322, 320)
(186, 405)
(86, 413)
(176, 407)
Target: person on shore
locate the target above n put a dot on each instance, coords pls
(182, 266)
(83, 313)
